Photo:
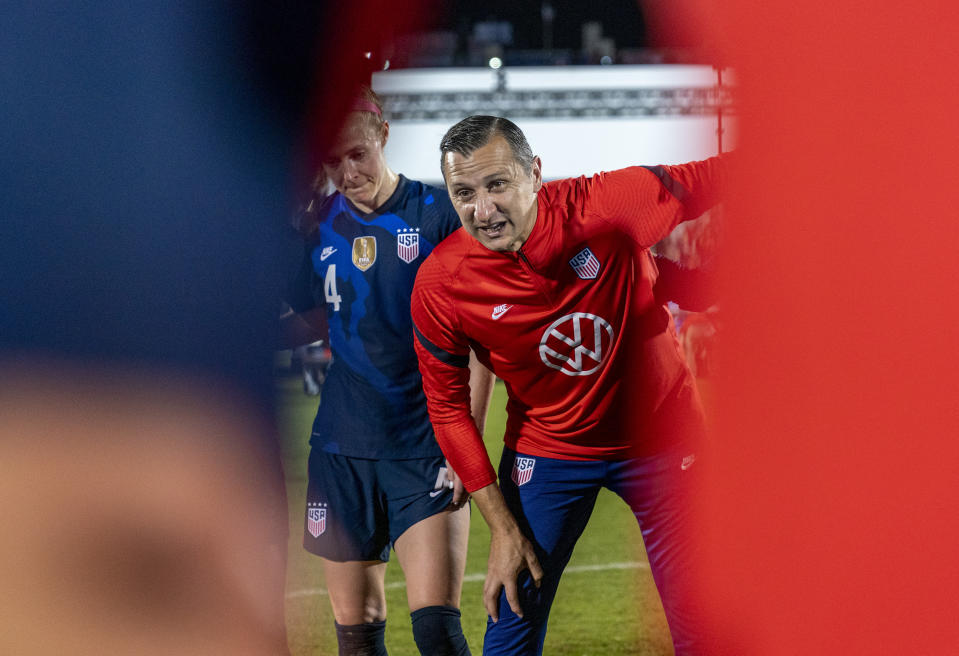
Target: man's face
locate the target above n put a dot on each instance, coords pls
(356, 165)
(492, 194)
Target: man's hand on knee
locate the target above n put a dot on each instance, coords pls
(510, 553)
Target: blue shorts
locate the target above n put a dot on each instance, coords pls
(552, 500)
(356, 508)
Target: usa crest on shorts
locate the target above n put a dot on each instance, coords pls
(316, 519)
(364, 252)
(522, 470)
(408, 244)
(585, 264)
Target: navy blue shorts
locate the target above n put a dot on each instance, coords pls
(356, 508)
(552, 500)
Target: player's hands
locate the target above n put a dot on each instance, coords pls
(460, 495)
(509, 554)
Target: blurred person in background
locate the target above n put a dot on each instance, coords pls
(377, 477)
(691, 295)
(146, 156)
(311, 357)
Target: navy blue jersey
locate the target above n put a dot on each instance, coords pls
(362, 266)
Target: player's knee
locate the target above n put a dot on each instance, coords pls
(355, 610)
(437, 631)
(361, 639)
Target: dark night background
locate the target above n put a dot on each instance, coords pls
(621, 20)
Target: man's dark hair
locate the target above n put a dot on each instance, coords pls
(476, 131)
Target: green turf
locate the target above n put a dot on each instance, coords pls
(599, 611)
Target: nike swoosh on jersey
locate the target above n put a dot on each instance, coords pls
(500, 310)
(329, 250)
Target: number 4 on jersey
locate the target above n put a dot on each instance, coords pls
(329, 287)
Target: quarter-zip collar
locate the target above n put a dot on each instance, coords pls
(544, 239)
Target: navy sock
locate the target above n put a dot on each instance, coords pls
(361, 639)
(437, 631)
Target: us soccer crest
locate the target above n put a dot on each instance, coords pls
(408, 244)
(522, 470)
(316, 519)
(364, 252)
(585, 264)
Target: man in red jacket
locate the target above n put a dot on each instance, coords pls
(550, 284)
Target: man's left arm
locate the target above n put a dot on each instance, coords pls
(697, 186)
(647, 202)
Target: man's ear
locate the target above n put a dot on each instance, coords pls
(537, 173)
(386, 132)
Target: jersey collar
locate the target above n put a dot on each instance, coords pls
(539, 244)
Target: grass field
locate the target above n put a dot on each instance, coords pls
(607, 604)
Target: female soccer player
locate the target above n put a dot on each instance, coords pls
(377, 477)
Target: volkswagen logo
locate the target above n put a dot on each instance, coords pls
(576, 344)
